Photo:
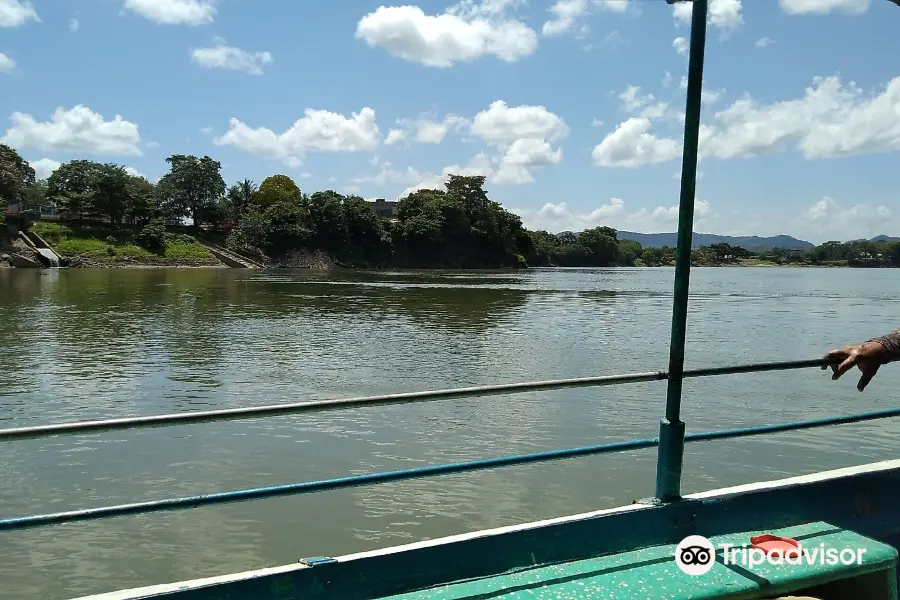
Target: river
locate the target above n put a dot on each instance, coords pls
(85, 344)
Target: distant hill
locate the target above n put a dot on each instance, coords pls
(658, 240)
(885, 238)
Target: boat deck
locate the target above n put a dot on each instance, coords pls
(653, 573)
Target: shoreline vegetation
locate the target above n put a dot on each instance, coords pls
(103, 216)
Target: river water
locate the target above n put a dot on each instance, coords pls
(85, 344)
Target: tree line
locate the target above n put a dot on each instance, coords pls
(456, 227)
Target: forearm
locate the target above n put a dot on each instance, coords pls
(891, 342)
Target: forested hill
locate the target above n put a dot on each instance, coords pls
(750, 242)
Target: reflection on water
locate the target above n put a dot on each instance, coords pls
(82, 344)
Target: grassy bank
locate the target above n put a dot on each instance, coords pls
(91, 246)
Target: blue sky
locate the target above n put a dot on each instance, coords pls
(572, 108)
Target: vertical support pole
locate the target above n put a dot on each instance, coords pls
(670, 457)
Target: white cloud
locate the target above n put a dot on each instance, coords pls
(44, 167)
(479, 165)
(425, 129)
(630, 145)
(764, 42)
(524, 135)
(645, 106)
(222, 56)
(565, 13)
(828, 220)
(74, 25)
(78, 129)
(387, 175)
(681, 45)
(522, 155)
(174, 12)
(559, 217)
(823, 7)
(568, 14)
(316, 131)
(828, 120)
(465, 32)
(724, 14)
(502, 124)
(394, 136)
(7, 64)
(134, 172)
(14, 13)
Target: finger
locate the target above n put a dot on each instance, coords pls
(835, 355)
(844, 366)
(866, 377)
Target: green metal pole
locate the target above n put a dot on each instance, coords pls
(670, 456)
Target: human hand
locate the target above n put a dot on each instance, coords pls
(867, 357)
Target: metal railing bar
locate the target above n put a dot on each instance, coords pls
(254, 412)
(307, 487)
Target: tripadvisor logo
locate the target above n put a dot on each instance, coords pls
(696, 555)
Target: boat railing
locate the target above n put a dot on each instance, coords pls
(307, 487)
(670, 442)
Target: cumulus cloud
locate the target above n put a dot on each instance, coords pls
(426, 129)
(316, 131)
(631, 145)
(829, 220)
(829, 120)
(681, 45)
(7, 64)
(569, 14)
(463, 33)
(78, 129)
(480, 164)
(223, 56)
(764, 42)
(14, 13)
(560, 217)
(524, 135)
(174, 12)
(44, 167)
(724, 14)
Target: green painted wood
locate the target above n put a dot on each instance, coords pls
(653, 573)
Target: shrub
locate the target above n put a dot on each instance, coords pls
(152, 236)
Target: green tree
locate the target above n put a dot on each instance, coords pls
(275, 189)
(601, 241)
(15, 175)
(110, 192)
(71, 187)
(327, 221)
(192, 187)
(141, 206)
(629, 252)
(240, 196)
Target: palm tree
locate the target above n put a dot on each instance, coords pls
(240, 195)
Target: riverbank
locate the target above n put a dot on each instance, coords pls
(94, 247)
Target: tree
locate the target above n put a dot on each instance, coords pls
(110, 192)
(71, 186)
(469, 190)
(327, 220)
(141, 206)
(601, 241)
(275, 189)
(191, 187)
(240, 196)
(15, 175)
